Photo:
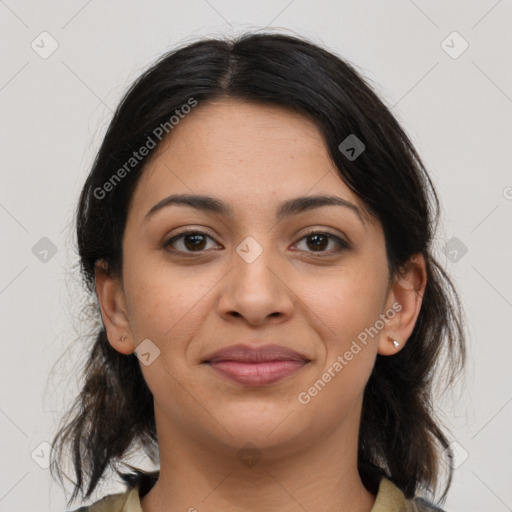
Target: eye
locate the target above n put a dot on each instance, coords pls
(319, 240)
(193, 241)
(190, 242)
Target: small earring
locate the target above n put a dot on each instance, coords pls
(395, 343)
(122, 338)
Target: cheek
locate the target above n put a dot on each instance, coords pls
(347, 301)
(167, 305)
(347, 306)
(164, 301)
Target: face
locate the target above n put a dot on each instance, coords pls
(308, 280)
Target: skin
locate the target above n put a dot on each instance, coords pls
(253, 157)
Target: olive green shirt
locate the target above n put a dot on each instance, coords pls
(389, 499)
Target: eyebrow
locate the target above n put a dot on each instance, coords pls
(286, 208)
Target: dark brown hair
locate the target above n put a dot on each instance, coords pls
(399, 433)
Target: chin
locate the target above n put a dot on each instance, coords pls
(266, 425)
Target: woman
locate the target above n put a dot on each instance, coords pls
(257, 230)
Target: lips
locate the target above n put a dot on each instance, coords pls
(256, 366)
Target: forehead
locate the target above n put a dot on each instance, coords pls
(236, 132)
(247, 154)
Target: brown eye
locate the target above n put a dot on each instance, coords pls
(318, 241)
(194, 242)
(188, 242)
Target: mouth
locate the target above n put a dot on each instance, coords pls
(256, 366)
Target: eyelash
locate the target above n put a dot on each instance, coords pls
(342, 244)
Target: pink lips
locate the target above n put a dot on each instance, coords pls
(256, 366)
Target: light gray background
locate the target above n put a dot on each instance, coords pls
(55, 110)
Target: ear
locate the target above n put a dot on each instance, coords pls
(404, 298)
(113, 309)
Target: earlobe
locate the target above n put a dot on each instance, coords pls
(405, 298)
(113, 309)
(388, 345)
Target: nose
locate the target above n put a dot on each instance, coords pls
(256, 289)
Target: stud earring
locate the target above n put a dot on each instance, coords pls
(122, 338)
(395, 343)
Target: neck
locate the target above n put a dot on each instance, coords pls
(321, 476)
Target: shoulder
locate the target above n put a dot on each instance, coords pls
(391, 499)
(422, 505)
(110, 503)
(138, 484)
